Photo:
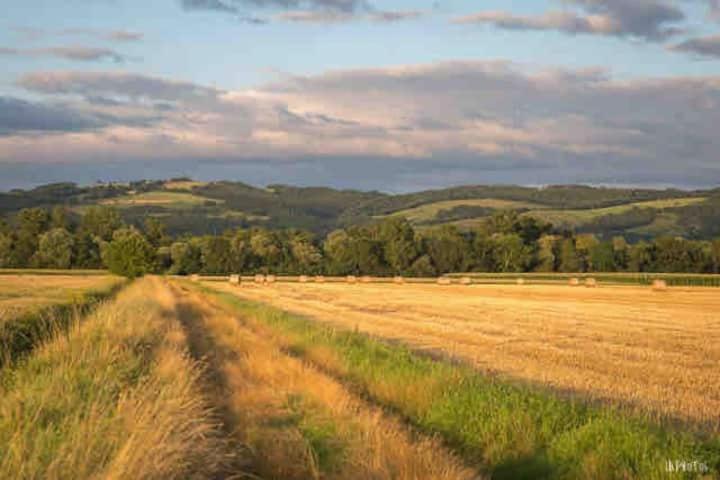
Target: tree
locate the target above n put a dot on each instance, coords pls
(483, 252)
(677, 255)
(86, 251)
(449, 250)
(569, 261)
(354, 251)
(215, 254)
(128, 253)
(31, 222)
(155, 232)
(584, 244)
(715, 255)
(602, 257)
(621, 251)
(56, 248)
(306, 256)
(185, 257)
(640, 257)
(511, 254)
(546, 255)
(6, 250)
(422, 267)
(59, 218)
(398, 242)
(267, 249)
(101, 222)
(240, 251)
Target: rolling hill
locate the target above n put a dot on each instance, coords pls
(188, 206)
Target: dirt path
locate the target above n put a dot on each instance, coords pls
(657, 350)
(291, 421)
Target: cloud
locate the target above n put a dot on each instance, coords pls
(705, 46)
(19, 116)
(83, 54)
(113, 84)
(234, 6)
(110, 35)
(33, 33)
(303, 11)
(475, 121)
(651, 20)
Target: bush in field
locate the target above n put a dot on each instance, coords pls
(128, 254)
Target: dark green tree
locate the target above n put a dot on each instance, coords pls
(602, 257)
(30, 223)
(216, 255)
(128, 254)
(398, 243)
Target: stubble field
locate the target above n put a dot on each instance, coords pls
(654, 351)
(172, 378)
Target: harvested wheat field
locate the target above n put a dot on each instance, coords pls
(23, 293)
(657, 352)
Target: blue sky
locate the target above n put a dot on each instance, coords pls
(296, 93)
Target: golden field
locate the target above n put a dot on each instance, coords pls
(25, 293)
(654, 351)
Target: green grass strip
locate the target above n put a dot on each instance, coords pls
(512, 430)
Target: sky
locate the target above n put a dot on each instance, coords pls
(390, 95)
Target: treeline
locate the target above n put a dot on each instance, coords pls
(506, 242)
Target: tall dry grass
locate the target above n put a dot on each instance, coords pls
(299, 423)
(118, 397)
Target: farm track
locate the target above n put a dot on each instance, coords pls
(292, 421)
(655, 351)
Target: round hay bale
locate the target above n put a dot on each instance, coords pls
(195, 277)
(398, 280)
(319, 279)
(270, 279)
(466, 281)
(235, 279)
(520, 281)
(659, 285)
(366, 279)
(444, 281)
(303, 279)
(351, 279)
(259, 278)
(574, 282)
(591, 283)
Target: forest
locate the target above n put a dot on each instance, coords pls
(505, 242)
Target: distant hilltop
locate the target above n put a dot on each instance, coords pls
(188, 206)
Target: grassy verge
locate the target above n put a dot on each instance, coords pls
(296, 422)
(117, 397)
(20, 334)
(514, 430)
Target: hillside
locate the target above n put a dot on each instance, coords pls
(187, 206)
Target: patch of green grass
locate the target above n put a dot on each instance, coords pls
(514, 430)
(173, 200)
(318, 431)
(576, 218)
(429, 211)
